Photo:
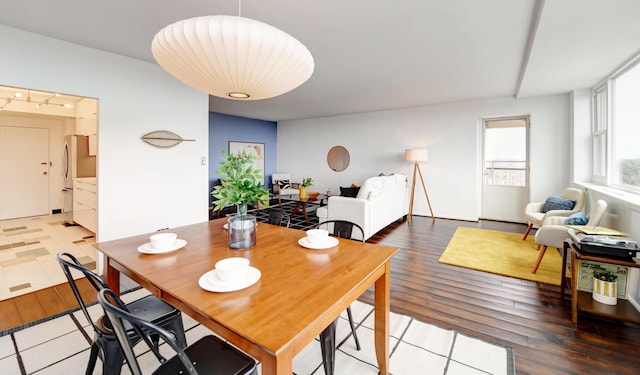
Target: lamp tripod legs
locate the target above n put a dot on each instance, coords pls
(416, 167)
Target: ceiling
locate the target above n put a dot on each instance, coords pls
(378, 55)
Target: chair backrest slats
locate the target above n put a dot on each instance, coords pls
(67, 262)
(117, 313)
(277, 217)
(342, 229)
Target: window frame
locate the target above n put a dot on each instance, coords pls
(603, 126)
(600, 129)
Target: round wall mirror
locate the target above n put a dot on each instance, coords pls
(338, 158)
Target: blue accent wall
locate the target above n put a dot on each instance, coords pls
(225, 128)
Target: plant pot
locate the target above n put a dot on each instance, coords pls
(242, 232)
(605, 291)
(303, 192)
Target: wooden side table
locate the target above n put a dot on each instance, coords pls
(583, 301)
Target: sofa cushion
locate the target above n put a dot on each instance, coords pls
(350, 192)
(579, 218)
(555, 203)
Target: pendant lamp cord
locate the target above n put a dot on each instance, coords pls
(239, 8)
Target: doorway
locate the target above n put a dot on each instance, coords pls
(30, 114)
(39, 219)
(505, 168)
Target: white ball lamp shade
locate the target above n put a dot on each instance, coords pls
(416, 154)
(232, 57)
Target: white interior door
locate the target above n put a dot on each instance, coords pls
(505, 188)
(24, 172)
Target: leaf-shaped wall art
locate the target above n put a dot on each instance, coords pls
(163, 139)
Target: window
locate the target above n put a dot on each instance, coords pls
(505, 152)
(616, 118)
(600, 134)
(626, 121)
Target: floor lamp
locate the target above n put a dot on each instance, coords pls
(417, 155)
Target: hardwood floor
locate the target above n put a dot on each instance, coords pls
(531, 318)
(41, 304)
(527, 316)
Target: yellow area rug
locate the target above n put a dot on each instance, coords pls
(502, 253)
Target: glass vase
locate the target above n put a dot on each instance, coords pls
(242, 230)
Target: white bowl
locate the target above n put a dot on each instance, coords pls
(232, 269)
(163, 241)
(316, 236)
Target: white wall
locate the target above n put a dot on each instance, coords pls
(140, 188)
(581, 146)
(377, 140)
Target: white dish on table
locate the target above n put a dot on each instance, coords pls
(326, 244)
(211, 282)
(148, 249)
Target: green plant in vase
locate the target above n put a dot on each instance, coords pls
(240, 185)
(605, 288)
(605, 275)
(306, 182)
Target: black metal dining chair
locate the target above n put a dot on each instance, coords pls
(278, 217)
(208, 355)
(105, 345)
(341, 229)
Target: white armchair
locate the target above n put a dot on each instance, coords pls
(553, 232)
(282, 185)
(534, 215)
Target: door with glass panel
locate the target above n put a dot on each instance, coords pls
(505, 168)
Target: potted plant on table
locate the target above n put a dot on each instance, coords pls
(306, 182)
(240, 185)
(605, 287)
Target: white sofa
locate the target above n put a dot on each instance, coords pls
(380, 201)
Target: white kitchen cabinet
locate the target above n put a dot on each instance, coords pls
(85, 203)
(87, 116)
(93, 145)
(86, 107)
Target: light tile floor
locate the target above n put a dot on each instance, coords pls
(57, 347)
(28, 248)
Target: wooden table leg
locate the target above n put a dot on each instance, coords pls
(382, 307)
(277, 365)
(112, 277)
(565, 250)
(296, 210)
(574, 287)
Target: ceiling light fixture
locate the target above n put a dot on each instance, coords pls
(46, 101)
(18, 97)
(233, 57)
(8, 100)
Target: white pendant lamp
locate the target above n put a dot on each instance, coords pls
(233, 57)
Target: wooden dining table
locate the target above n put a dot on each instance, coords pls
(300, 292)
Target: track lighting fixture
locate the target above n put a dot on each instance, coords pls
(40, 99)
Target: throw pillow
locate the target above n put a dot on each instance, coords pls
(579, 218)
(284, 184)
(555, 203)
(350, 192)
